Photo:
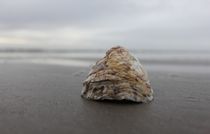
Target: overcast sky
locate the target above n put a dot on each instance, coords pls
(157, 24)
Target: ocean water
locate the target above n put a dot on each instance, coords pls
(170, 60)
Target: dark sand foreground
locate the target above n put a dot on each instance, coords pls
(45, 99)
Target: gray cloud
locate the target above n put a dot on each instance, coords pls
(69, 12)
(135, 23)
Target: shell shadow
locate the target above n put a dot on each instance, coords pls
(116, 102)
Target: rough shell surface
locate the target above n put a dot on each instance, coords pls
(118, 76)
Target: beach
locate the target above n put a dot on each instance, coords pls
(49, 48)
(37, 98)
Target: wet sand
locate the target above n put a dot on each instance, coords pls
(45, 99)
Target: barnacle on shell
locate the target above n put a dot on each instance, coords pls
(118, 76)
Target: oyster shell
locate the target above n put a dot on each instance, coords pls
(118, 76)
